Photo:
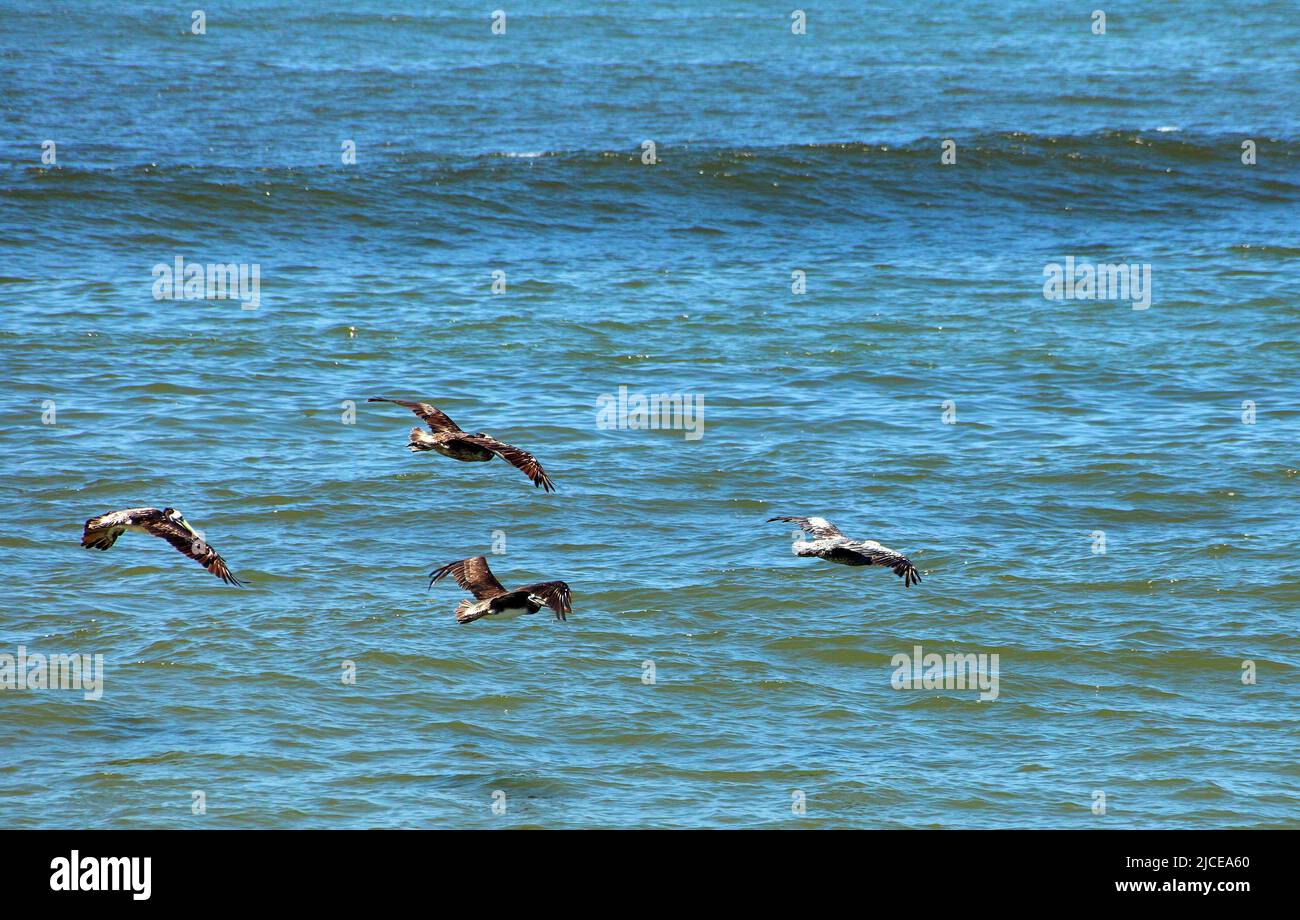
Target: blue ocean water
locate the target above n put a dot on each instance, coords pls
(918, 389)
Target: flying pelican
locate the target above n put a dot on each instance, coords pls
(448, 439)
(828, 543)
(492, 599)
(102, 532)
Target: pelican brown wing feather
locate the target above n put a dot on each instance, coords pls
(471, 574)
(890, 559)
(517, 457)
(817, 527)
(556, 594)
(102, 531)
(435, 418)
(192, 545)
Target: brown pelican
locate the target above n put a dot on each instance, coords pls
(492, 599)
(102, 532)
(448, 439)
(828, 543)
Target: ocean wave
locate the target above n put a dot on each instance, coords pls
(1002, 146)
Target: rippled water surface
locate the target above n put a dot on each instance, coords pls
(1119, 673)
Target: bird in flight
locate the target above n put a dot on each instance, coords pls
(830, 544)
(491, 599)
(448, 439)
(102, 532)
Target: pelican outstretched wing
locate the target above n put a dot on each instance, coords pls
(555, 593)
(883, 555)
(435, 418)
(192, 545)
(471, 574)
(102, 532)
(515, 456)
(817, 527)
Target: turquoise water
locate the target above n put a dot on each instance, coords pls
(521, 153)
